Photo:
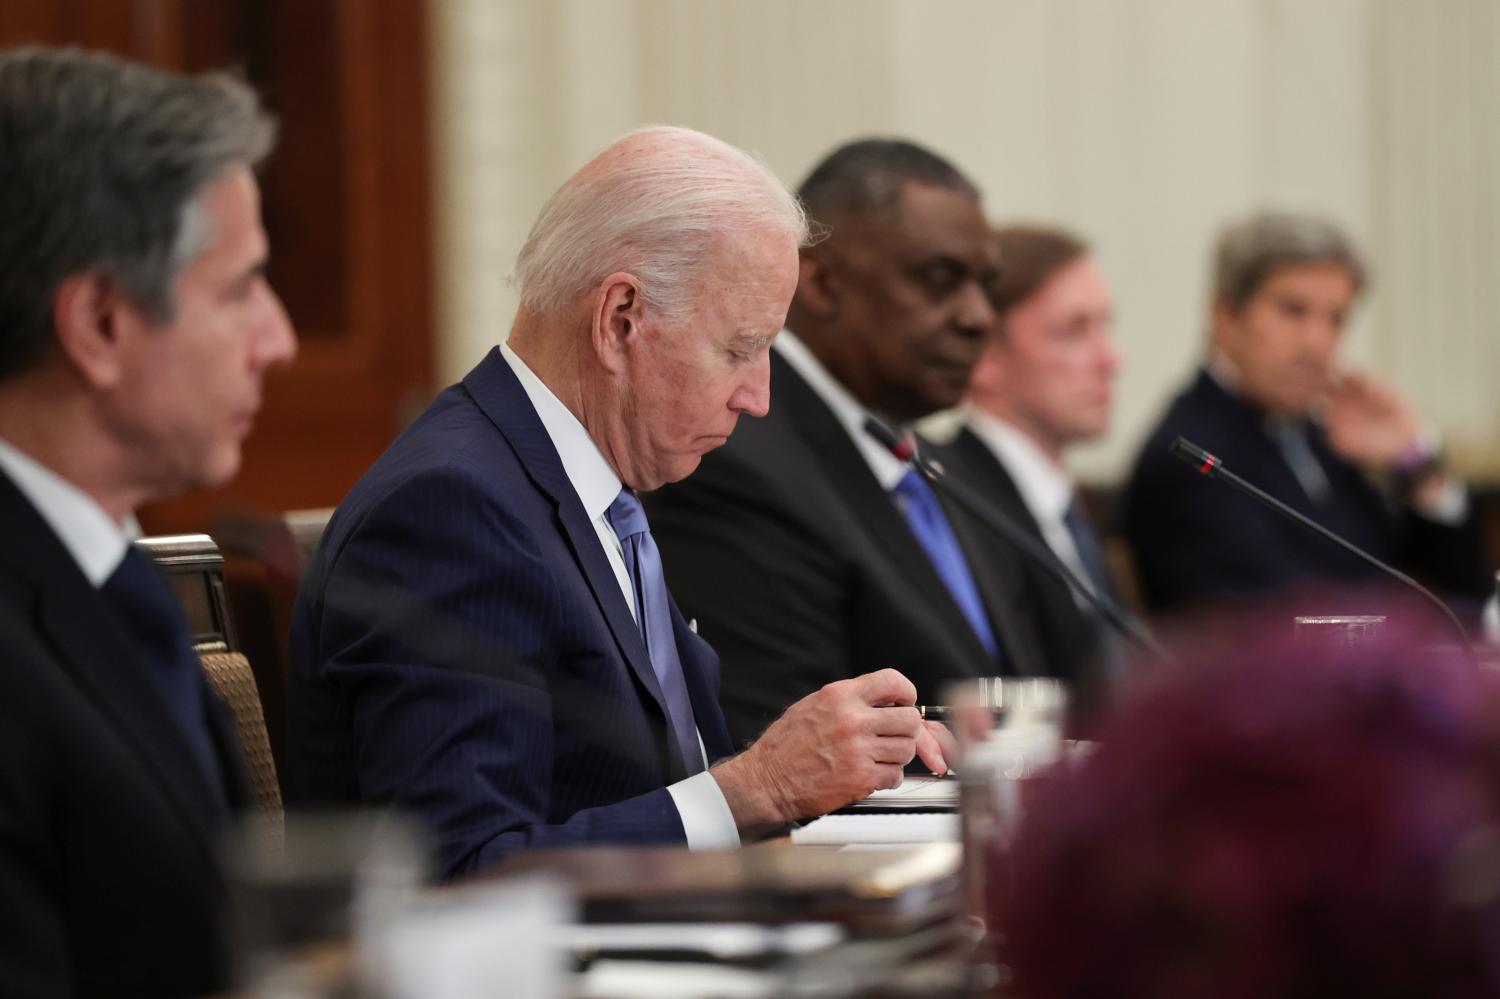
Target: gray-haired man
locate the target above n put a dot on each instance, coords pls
(1274, 405)
(135, 327)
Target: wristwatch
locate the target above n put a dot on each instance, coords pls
(1422, 460)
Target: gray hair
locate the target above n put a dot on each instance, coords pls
(102, 165)
(1249, 251)
(656, 204)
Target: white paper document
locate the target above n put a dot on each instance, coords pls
(934, 793)
(885, 827)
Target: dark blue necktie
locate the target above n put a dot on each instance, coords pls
(1111, 653)
(653, 616)
(144, 601)
(930, 525)
(1089, 551)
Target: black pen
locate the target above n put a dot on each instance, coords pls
(929, 712)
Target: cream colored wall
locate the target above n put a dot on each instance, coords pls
(1143, 124)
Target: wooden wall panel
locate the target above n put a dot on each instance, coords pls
(347, 207)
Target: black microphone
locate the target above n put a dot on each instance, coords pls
(971, 500)
(1209, 466)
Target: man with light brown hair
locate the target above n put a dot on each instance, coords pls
(1044, 383)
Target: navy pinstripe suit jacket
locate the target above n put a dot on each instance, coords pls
(461, 648)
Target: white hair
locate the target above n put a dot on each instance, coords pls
(656, 203)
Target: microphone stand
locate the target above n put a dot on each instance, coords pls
(1034, 549)
(1209, 466)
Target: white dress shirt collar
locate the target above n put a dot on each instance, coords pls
(1046, 487)
(593, 479)
(96, 542)
(886, 467)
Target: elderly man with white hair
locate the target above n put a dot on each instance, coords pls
(485, 637)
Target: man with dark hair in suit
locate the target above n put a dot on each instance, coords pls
(1271, 402)
(1043, 384)
(806, 549)
(135, 328)
(485, 636)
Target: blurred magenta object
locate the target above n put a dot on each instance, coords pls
(1273, 822)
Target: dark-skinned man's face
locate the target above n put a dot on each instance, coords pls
(906, 296)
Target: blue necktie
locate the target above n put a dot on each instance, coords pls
(654, 617)
(144, 601)
(935, 534)
(1111, 653)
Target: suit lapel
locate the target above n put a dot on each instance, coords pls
(497, 391)
(700, 667)
(975, 460)
(999, 569)
(81, 628)
(1243, 441)
(103, 658)
(849, 476)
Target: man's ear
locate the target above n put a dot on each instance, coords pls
(616, 318)
(818, 284)
(87, 314)
(1221, 318)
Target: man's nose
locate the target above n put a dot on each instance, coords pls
(1320, 336)
(753, 396)
(276, 341)
(975, 314)
(1109, 352)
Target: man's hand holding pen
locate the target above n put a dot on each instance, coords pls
(833, 747)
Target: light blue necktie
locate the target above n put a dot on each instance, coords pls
(654, 617)
(930, 525)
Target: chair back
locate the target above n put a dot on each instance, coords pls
(306, 528)
(264, 562)
(231, 676)
(195, 570)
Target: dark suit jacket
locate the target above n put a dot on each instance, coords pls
(802, 571)
(1198, 541)
(1070, 638)
(461, 648)
(109, 830)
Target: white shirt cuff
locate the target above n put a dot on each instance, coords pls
(706, 818)
(1449, 507)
